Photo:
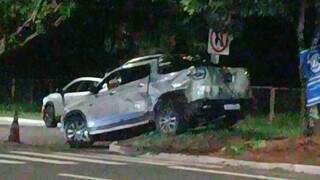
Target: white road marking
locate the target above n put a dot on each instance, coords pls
(68, 158)
(80, 177)
(118, 158)
(135, 160)
(33, 159)
(3, 161)
(225, 173)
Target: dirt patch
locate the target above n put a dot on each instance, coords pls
(302, 150)
(190, 144)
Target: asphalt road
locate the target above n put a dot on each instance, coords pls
(44, 155)
(24, 164)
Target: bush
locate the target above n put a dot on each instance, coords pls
(283, 126)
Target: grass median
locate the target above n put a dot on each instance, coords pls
(28, 111)
(255, 139)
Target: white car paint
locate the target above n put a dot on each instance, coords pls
(70, 98)
(132, 103)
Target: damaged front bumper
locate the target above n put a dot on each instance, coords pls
(215, 109)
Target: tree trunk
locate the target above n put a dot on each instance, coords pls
(301, 43)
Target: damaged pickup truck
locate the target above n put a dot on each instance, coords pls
(172, 93)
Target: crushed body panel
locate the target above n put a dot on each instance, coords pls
(132, 104)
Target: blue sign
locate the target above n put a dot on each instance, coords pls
(311, 68)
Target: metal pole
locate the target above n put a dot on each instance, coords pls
(272, 104)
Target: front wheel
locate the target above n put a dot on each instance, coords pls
(169, 118)
(76, 133)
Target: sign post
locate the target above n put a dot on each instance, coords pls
(218, 44)
(214, 58)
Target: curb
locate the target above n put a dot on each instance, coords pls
(124, 150)
(191, 159)
(209, 160)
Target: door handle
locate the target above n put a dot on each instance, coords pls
(112, 93)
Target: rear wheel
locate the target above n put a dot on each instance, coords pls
(76, 132)
(49, 116)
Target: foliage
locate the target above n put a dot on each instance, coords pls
(259, 128)
(21, 21)
(226, 15)
(237, 149)
(31, 111)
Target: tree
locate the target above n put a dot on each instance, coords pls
(21, 21)
(222, 15)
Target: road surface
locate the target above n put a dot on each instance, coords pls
(33, 164)
(44, 155)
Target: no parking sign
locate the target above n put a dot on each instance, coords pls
(219, 43)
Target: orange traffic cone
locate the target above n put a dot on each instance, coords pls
(14, 129)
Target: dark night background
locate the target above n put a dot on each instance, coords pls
(266, 46)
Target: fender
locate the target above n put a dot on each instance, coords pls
(170, 94)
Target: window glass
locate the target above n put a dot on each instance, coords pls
(85, 86)
(128, 75)
(73, 87)
(81, 86)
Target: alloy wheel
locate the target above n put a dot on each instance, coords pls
(76, 131)
(168, 123)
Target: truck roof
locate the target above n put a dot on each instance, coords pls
(143, 59)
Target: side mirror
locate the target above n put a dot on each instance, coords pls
(94, 90)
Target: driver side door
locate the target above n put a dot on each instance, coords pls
(125, 99)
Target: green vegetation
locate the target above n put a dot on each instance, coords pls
(285, 125)
(29, 111)
(252, 133)
(22, 21)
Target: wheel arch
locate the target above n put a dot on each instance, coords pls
(169, 96)
(49, 103)
(74, 113)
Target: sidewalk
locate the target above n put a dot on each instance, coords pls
(22, 122)
(33, 134)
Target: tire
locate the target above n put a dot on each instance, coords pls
(169, 117)
(76, 132)
(49, 116)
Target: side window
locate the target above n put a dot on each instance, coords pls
(128, 75)
(81, 86)
(73, 88)
(135, 73)
(113, 80)
(85, 86)
(92, 84)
